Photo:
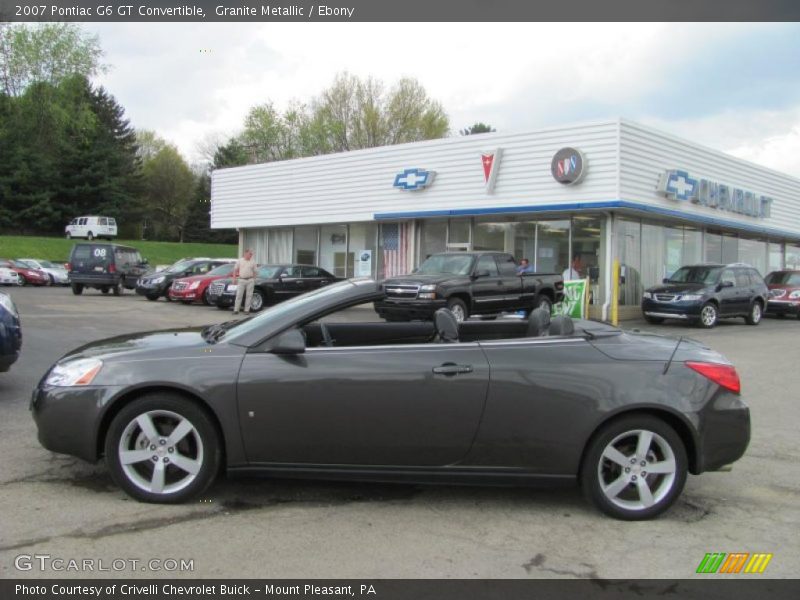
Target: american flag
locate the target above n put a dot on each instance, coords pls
(395, 249)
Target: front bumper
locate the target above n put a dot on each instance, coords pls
(186, 295)
(684, 310)
(409, 309)
(783, 307)
(68, 418)
(150, 289)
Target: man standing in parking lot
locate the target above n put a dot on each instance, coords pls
(245, 275)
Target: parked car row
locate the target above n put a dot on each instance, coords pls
(28, 271)
(703, 294)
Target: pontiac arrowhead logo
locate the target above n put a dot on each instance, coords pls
(491, 164)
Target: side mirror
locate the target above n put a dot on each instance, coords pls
(289, 342)
(479, 274)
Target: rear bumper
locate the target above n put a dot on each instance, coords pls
(409, 309)
(94, 280)
(725, 433)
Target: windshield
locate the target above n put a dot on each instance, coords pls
(27, 264)
(21, 264)
(48, 265)
(791, 278)
(695, 275)
(279, 311)
(221, 271)
(451, 264)
(180, 266)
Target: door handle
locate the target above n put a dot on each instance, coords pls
(452, 369)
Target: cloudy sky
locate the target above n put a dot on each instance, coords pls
(733, 87)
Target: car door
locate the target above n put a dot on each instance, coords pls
(407, 405)
(291, 283)
(488, 292)
(729, 301)
(314, 277)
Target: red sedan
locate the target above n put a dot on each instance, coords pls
(784, 293)
(193, 289)
(26, 274)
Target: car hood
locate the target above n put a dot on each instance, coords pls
(677, 288)
(194, 278)
(418, 279)
(145, 344)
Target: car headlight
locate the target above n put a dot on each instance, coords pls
(647, 295)
(427, 288)
(8, 304)
(158, 279)
(194, 285)
(691, 297)
(794, 295)
(74, 372)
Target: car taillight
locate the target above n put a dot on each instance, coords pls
(112, 268)
(723, 375)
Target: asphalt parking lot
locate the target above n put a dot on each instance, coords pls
(65, 508)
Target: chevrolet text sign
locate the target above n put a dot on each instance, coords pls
(678, 185)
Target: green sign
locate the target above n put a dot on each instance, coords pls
(574, 303)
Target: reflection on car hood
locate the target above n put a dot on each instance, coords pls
(141, 343)
(677, 288)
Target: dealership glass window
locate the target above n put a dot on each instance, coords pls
(793, 256)
(525, 241)
(753, 253)
(333, 249)
(587, 232)
(280, 245)
(459, 237)
(730, 248)
(305, 245)
(712, 247)
(362, 258)
(775, 257)
(552, 251)
(692, 246)
(489, 235)
(433, 238)
(629, 252)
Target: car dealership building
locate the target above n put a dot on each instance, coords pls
(604, 190)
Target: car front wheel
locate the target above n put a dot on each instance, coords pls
(635, 468)
(459, 309)
(756, 312)
(257, 302)
(709, 315)
(162, 448)
(544, 302)
(77, 289)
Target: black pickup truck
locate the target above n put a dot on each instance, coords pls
(468, 283)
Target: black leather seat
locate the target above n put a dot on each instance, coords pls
(446, 325)
(538, 322)
(562, 325)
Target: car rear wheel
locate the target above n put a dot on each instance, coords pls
(77, 289)
(257, 302)
(104, 289)
(653, 320)
(151, 297)
(634, 468)
(709, 315)
(162, 448)
(118, 288)
(90, 236)
(459, 309)
(756, 312)
(69, 236)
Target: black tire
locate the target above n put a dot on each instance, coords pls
(118, 288)
(709, 315)
(200, 447)
(22, 280)
(151, 297)
(69, 236)
(653, 320)
(756, 314)
(206, 301)
(90, 236)
(77, 288)
(104, 289)
(52, 280)
(599, 473)
(542, 301)
(459, 308)
(257, 302)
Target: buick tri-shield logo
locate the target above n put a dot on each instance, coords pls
(568, 166)
(414, 179)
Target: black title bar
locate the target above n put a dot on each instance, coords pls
(398, 10)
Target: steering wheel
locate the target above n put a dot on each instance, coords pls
(327, 340)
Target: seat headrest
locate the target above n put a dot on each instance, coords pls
(561, 325)
(446, 325)
(538, 322)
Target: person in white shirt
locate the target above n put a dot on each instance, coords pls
(245, 274)
(574, 271)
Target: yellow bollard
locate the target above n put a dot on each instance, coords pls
(615, 293)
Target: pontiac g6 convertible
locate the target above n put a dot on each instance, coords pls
(296, 392)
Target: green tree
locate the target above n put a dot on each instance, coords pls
(168, 189)
(477, 128)
(46, 53)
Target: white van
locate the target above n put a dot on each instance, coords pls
(92, 227)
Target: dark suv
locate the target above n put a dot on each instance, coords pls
(706, 293)
(157, 284)
(104, 266)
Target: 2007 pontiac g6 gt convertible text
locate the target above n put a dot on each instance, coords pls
(291, 393)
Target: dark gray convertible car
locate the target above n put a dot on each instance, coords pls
(293, 392)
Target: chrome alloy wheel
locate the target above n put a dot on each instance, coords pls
(160, 452)
(458, 312)
(637, 470)
(755, 313)
(708, 315)
(257, 303)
